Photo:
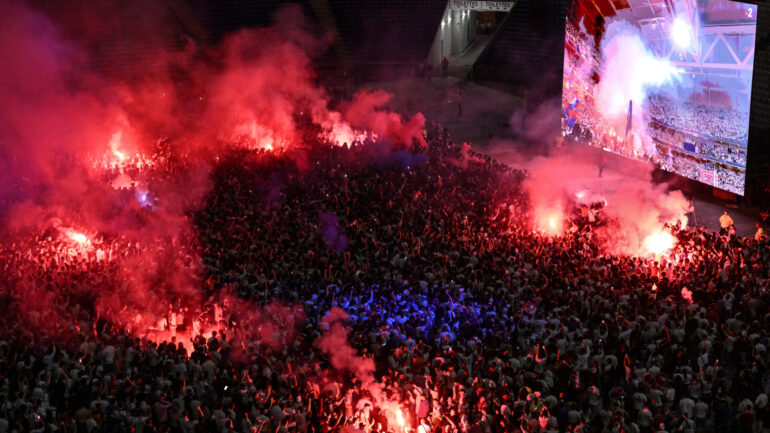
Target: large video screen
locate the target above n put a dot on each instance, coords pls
(666, 81)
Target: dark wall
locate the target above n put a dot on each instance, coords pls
(373, 31)
(758, 170)
(224, 16)
(377, 31)
(528, 50)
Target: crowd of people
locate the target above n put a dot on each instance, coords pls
(730, 180)
(470, 319)
(672, 156)
(718, 175)
(722, 151)
(584, 46)
(580, 60)
(712, 149)
(713, 122)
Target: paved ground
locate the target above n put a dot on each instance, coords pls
(460, 65)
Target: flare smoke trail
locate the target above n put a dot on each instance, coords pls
(629, 72)
(637, 209)
(343, 358)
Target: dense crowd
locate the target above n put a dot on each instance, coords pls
(472, 320)
(580, 62)
(722, 151)
(718, 175)
(730, 180)
(713, 122)
(708, 148)
(583, 45)
(672, 156)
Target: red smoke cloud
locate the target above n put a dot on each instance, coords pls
(265, 78)
(73, 132)
(51, 103)
(334, 343)
(636, 208)
(343, 358)
(366, 111)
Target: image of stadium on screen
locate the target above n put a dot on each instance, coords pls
(666, 81)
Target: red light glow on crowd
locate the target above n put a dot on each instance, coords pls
(550, 222)
(78, 237)
(115, 147)
(400, 419)
(234, 244)
(659, 242)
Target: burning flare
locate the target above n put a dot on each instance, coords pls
(687, 295)
(659, 242)
(79, 242)
(115, 144)
(400, 418)
(550, 223)
(78, 237)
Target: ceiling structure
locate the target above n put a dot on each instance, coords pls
(718, 49)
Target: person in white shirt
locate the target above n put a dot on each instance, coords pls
(725, 221)
(701, 413)
(686, 405)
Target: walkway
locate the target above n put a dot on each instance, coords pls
(460, 65)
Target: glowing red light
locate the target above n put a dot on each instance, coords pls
(400, 418)
(550, 222)
(115, 143)
(659, 242)
(78, 237)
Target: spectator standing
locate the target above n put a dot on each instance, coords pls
(161, 410)
(459, 102)
(445, 67)
(725, 221)
(746, 420)
(701, 413)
